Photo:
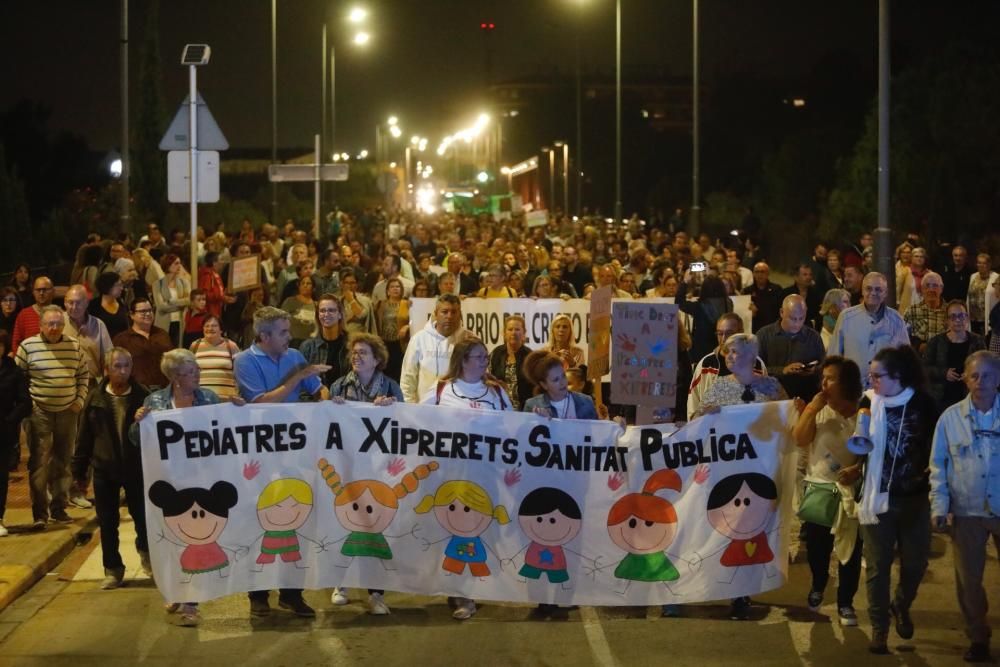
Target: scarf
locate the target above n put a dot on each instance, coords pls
(354, 389)
(874, 501)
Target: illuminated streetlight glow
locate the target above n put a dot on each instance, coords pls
(395, 131)
(361, 38)
(482, 177)
(357, 15)
(504, 170)
(115, 168)
(363, 154)
(393, 120)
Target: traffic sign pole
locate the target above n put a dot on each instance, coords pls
(317, 186)
(193, 161)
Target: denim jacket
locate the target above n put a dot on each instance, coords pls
(965, 468)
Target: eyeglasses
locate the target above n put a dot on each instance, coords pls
(11, 299)
(143, 311)
(876, 376)
(328, 311)
(958, 317)
(43, 289)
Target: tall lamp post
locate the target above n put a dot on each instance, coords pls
(552, 176)
(126, 160)
(274, 107)
(618, 112)
(695, 128)
(565, 174)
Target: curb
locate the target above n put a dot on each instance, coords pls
(22, 578)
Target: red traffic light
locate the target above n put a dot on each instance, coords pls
(487, 26)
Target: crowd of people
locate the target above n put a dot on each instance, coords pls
(329, 319)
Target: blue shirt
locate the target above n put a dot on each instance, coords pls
(257, 373)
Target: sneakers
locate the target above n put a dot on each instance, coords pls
(259, 607)
(339, 597)
(670, 611)
(79, 500)
(112, 578)
(848, 618)
(60, 516)
(376, 605)
(465, 609)
(38, 524)
(3, 530)
(172, 607)
(739, 610)
(814, 600)
(904, 624)
(978, 652)
(189, 616)
(297, 606)
(145, 564)
(879, 645)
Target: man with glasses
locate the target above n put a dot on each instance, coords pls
(863, 330)
(928, 318)
(146, 343)
(27, 323)
(58, 382)
(713, 366)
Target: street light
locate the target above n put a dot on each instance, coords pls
(357, 15)
(565, 174)
(361, 38)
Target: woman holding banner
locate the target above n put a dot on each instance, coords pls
(183, 391)
(366, 383)
(823, 428)
(468, 384)
(741, 386)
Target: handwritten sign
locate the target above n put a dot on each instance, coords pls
(644, 362)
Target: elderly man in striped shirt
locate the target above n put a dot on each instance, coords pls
(57, 380)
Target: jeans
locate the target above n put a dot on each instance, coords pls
(969, 539)
(907, 523)
(51, 437)
(819, 546)
(106, 501)
(283, 594)
(6, 454)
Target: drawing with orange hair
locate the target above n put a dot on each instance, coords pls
(366, 507)
(644, 525)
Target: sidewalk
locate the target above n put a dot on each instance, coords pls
(26, 556)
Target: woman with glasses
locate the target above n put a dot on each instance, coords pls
(366, 382)
(9, 308)
(107, 304)
(358, 313)
(496, 284)
(894, 511)
(946, 353)
(329, 346)
(468, 384)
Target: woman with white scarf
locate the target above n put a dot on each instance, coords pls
(894, 510)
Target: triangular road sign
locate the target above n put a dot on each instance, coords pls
(210, 137)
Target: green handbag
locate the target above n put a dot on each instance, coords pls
(820, 504)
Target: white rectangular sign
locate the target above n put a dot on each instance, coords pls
(179, 177)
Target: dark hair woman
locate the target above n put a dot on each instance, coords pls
(507, 360)
(10, 306)
(945, 355)
(712, 302)
(107, 304)
(823, 428)
(894, 510)
(21, 282)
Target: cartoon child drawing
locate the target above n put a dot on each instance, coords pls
(741, 508)
(465, 510)
(282, 508)
(366, 507)
(644, 525)
(550, 518)
(197, 518)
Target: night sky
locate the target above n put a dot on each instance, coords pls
(425, 62)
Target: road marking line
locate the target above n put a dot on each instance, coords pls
(595, 637)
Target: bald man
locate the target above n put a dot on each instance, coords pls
(765, 297)
(863, 330)
(791, 350)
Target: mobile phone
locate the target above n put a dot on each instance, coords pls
(698, 266)
(811, 364)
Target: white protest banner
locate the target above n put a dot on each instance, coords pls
(485, 318)
(488, 505)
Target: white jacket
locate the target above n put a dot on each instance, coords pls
(426, 360)
(859, 337)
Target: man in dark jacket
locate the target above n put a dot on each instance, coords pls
(104, 444)
(765, 297)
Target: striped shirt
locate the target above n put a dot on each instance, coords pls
(216, 364)
(57, 372)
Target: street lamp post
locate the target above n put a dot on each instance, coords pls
(618, 112)
(274, 108)
(695, 128)
(126, 159)
(552, 176)
(565, 174)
